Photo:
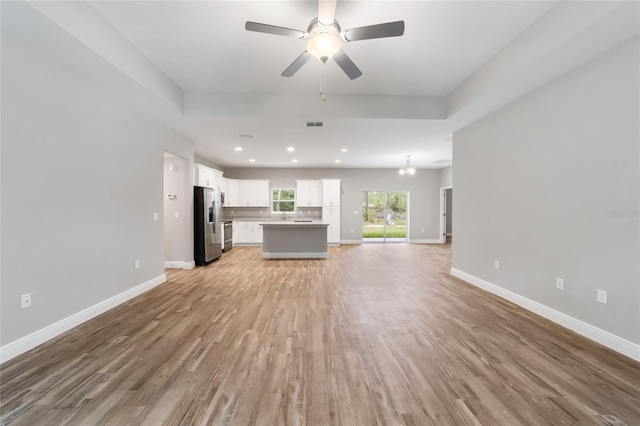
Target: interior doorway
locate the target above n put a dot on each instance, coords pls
(384, 216)
(446, 211)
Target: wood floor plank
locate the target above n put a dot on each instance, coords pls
(374, 334)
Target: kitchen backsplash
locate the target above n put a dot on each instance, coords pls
(239, 213)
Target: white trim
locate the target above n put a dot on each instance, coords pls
(179, 264)
(36, 338)
(350, 241)
(610, 340)
(294, 255)
(427, 241)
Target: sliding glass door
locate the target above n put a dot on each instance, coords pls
(384, 216)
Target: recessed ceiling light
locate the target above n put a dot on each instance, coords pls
(344, 150)
(252, 160)
(291, 149)
(336, 161)
(238, 148)
(294, 161)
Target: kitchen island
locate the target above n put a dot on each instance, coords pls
(294, 240)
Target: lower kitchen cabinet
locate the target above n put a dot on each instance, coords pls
(247, 233)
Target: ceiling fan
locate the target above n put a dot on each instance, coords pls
(325, 37)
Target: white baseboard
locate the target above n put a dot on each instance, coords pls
(605, 338)
(178, 264)
(36, 338)
(428, 241)
(350, 241)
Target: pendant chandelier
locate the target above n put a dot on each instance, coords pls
(407, 170)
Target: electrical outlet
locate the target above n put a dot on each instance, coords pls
(352, 231)
(559, 283)
(25, 301)
(602, 296)
(137, 264)
(422, 230)
(496, 264)
(155, 216)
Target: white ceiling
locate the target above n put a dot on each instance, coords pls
(456, 61)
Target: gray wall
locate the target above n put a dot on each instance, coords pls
(446, 178)
(178, 181)
(206, 162)
(549, 185)
(81, 177)
(423, 190)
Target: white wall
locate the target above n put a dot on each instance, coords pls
(446, 177)
(536, 185)
(423, 188)
(82, 174)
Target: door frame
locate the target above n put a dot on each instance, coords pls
(443, 209)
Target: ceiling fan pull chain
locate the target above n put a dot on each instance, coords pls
(323, 93)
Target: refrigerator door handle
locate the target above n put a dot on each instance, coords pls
(215, 216)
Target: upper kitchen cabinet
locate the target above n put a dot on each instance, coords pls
(254, 193)
(206, 176)
(231, 192)
(308, 193)
(330, 192)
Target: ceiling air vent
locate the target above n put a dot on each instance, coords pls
(315, 123)
(246, 135)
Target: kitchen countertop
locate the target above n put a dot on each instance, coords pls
(277, 220)
(292, 223)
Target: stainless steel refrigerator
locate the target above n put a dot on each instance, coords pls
(207, 225)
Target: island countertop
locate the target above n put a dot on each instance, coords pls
(292, 223)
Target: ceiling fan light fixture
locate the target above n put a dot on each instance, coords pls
(324, 40)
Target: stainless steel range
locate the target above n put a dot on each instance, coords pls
(227, 235)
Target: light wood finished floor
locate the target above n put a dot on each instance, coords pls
(376, 334)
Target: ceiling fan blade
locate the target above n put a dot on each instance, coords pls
(347, 65)
(389, 29)
(272, 29)
(326, 11)
(296, 65)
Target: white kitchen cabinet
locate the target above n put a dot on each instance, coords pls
(330, 192)
(257, 233)
(331, 216)
(207, 177)
(223, 187)
(308, 193)
(244, 233)
(254, 193)
(247, 233)
(232, 193)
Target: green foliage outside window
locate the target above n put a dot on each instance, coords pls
(283, 200)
